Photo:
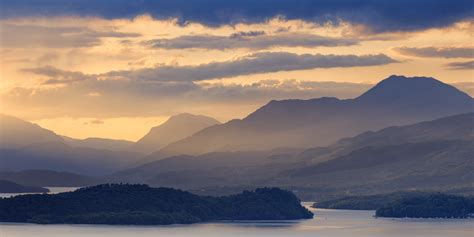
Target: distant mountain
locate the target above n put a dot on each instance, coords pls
(396, 100)
(100, 143)
(432, 156)
(435, 155)
(48, 178)
(457, 127)
(11, 187)
(17, 133)
(217, 168)
(61, 157)
(24, 145)
(439, 165)
(175, 128)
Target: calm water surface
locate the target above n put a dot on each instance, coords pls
(327, 223)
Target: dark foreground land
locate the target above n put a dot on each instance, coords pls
(429, 206)
(368, 202)
(407, 204)
(143, 205)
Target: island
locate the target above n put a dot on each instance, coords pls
(368, 202)
(11, 187)
(137, 204)
(429, 206)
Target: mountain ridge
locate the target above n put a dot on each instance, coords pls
(322, 121)
(175, 128)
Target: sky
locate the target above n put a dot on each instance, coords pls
(115, 69)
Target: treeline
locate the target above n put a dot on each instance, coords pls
(406, 204)
(369, 202)
(140, 204)
(429, 206)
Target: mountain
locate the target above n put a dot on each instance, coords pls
(24, 145)
(175, 128)
(396, 100)
(11, 187)
(432, 156)
(48, 178)
(456, 127)
(441, 164)
(58, 156)
(216, 168)
(100, 143)
(17, 133)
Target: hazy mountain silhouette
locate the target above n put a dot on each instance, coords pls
(48, 178)
(24, 145)
(175, 128)
(396, 100)
(61, 157)
(17, 133)
(11, 187)
(456, 127)
(100, 143)
(217, 168)
(432, 155)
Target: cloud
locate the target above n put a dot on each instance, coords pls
(30, 36)
(266, 90)
(379, 15)
(142, 98)
(469, 65)
(96, 122)
(57, 76)
(122, 98)
(435, 52)
(251, 40)
(264, 62)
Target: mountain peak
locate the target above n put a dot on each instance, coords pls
(175, 128)
(414, 91)
(183, 117)
(16, 133)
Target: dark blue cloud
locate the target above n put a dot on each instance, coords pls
(380, 15)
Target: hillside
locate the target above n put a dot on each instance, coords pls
(17, 133)
(174, 129)
(100, 143)
(24, 145)
(431, 155)
(142, 205)
(48, 178)
(394, 101)
(61, 157)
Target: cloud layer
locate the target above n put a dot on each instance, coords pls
(21, 36)
(115, 98)
(437, 52)
(469, 65)
(249, 40)
(379, 15)
(264, 62)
